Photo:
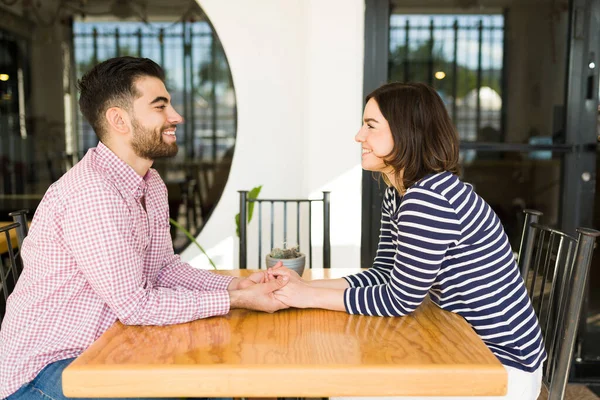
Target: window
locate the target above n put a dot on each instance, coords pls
(462, 57)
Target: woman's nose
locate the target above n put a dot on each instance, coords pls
(360, 137)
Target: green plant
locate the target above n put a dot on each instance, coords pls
(193, 239)
(292, 252)
(252, 195)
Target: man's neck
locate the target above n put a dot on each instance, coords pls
(140, 165)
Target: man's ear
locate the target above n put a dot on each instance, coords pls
(118, 120)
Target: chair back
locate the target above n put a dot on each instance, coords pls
(556, 281)
(20, 217)
(287, 205)
(526, 247)
(10, 267)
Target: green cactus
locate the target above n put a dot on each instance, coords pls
(292, 252)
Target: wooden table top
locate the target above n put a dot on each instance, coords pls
(299, 353)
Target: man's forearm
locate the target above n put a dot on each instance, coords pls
(234, 284)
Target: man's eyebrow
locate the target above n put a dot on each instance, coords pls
(371, 120)
(159, 99)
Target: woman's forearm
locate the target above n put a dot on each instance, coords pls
(339, 283)
(327, 298)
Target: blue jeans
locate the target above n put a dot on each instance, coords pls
(47, 385)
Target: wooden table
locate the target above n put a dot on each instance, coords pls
(13, 238)
(299, 353)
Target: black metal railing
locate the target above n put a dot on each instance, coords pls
(244, 203)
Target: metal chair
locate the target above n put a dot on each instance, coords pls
(246, 202)
(20, 217)
(10, 267)
(555, 267)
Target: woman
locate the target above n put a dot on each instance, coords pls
(438, 237)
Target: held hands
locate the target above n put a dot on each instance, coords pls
(256, 292)
(297, 293)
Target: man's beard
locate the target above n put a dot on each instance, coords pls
(146, 143)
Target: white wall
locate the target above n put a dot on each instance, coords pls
(297, 68)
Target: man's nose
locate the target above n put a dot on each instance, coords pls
(175, 118)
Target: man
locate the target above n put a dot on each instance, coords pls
(99, 248)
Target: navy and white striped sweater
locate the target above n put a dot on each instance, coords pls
(443, 239)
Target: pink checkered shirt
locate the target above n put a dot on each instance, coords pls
(94, 256)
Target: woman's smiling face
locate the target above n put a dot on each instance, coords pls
(375, 137)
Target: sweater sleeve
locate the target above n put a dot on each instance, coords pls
(412, 249)
(383, 264)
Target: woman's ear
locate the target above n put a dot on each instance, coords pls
(118, 120)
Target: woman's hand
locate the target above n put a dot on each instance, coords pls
(295, 294)
(279, 270)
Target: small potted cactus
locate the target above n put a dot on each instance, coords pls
(290, 257)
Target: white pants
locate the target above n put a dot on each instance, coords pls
(521, 386)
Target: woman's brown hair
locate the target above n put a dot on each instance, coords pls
(425, 140)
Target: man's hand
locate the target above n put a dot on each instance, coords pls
(257, 277)
(259, 296)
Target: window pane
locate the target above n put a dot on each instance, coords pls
(511, 182)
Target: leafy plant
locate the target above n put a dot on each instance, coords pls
(292, 252)
(252, 195)
(193, 239)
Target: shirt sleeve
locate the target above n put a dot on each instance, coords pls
(417, 241)
(177, 273)
(98, 230)
(383, 264)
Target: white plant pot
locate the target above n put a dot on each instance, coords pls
(295, 264)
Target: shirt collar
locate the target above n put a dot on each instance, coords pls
(120, 172)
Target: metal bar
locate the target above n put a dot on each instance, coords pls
(310, 258)
(95, 45)
(455, 70)
(478, 110)
(430, 61)
(192, 90)
(583, 259)
(406, 52)
(298, 224)
(243, 218)
(20, 217)
(527, 240)
(555, 302)
(117, 44)
(161, 41)
(272, 222)
(326, 231)
(545, 276)
(538, 257)
(139, 42)
(186, 126)
(284, 224)
(503, 74)
(2, 275)
(259, 234)
(376, 63)
(515, 147)
(213, 94)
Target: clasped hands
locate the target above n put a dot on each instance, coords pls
(274, 289)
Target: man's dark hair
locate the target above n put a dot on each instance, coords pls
(112, 84)
(425, 140)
